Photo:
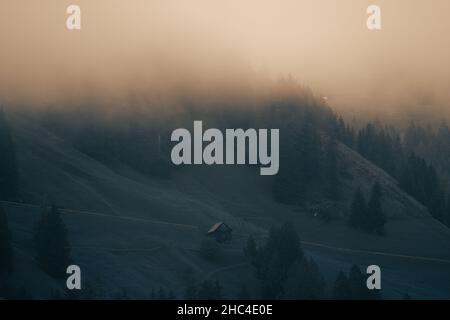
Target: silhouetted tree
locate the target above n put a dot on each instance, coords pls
(275, 258)
(162, 294)
(304, 281)
(358, 210)
(22, 294)
(122, 294)
(9, 177)
(6, 251)
(53, 251)
(250, 250)
(421, 181)
(382, 146)
(345, 133)
(376, 218)
(210, 290)
(430, 144)
(342, 289)
(357, 282)
(132, 142)
(448, 211)
(243, 293)
(190, 292)
(353, 286)
(368, 217)
(287, 183)
(301, 160)
(332, 182)
(437, 206)
(310, 149)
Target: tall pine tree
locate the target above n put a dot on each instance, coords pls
(53, 251)
(332, 182)
(358, 211)
(9, 178)
(376, 218)
(6, 252)
(447, 221)
(342, 289)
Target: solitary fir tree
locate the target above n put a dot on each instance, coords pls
(310, 150)
(358, 210)
(250, 250)
(190, 292)
(342, 289)
(53, 251)
(6, 252)
(9, 178)
(357, 283)
(210, 290)
(332, 183)
(243, 293)
(375, 214)
(447, 222)
(368, 217)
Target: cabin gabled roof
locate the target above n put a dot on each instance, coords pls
(217, 226)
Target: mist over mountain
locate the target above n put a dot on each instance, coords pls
(152, 51)
(87, 177)
(344, 198)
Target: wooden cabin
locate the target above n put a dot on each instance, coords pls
(221, 232)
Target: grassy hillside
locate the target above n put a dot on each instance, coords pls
(129, 231)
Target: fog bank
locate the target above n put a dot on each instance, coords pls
(150, 51)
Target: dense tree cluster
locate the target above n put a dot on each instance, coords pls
(310, 138)
(207, 290)
(432, 144)
(353, 286)
(162, 294)
(281, 267)
(382, 146)
(421, 180)
(305, 282)
(419, 161)
(426, 174)
(132, 143)
(308, 156)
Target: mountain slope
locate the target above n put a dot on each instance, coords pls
(139, 233)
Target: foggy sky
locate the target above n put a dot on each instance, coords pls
(154, 48)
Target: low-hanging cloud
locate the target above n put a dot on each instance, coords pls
(149, 49)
